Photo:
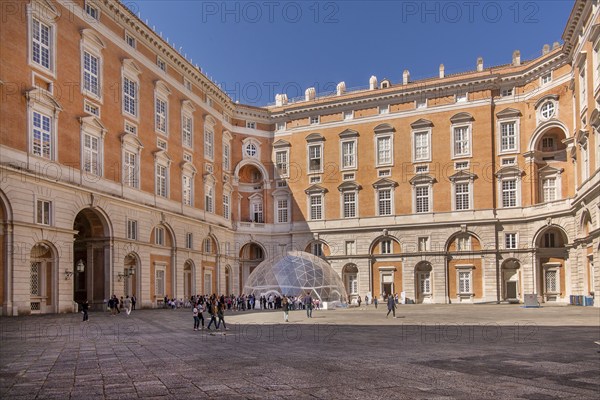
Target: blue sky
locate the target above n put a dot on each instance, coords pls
(256, 49)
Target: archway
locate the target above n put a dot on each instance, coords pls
(350, 279)
(251, 254)
(130, 275)
(189, 279)
(511, 283)
(423, 282)
(42, 279)
(551, 256)
(91, 256)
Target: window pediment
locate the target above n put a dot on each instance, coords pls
(510, 171)
(461, 118)
(92, 123)
(188, 106)
(131, 67)
(421, 123)
(348, 133)
(316, 189)
(187, 166)
(43, 98)
(162, 87)
(90, 37)
(349, 186)
(315, 137)
(385, 183)
(508, 113)
(209, 120)
(131, 139)
(542, 100)
(45, 9)
(163, 156)
(384, 128)
(281, 143)
(462, 175)
(421, 179)
(550, 170)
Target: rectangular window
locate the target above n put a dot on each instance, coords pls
(510, 241)
(461, 165)
(130, 96)
(208, 143)
(461, 141)
(187, 190)
(506, 92)
(187, 85)
(187, 157)
(314, 158)
(44, 208)
(421, 169)
(226, 206)
(42, 135)
(91, 108)
(461, 98)
(353, 284)
(256, 211)
(464, 282)
(315, 119)
(596, 62)
(582, 90)
(159, 236)
(509, 161)
(386, 247)
(132, 233)
(226, 157)
(349, 199)
(384, 202)
(421, 150)
(348, 115)
(546, 78)
(130, 169)
(425, 282)
(548, 144)
(552, 281)
(161, 180)
(161, 64)
(508, 136)
(549, 189)
(280, 126)
(317, 249)
(349, 176)
(189, 240)
(130, 40)
(462, 196)
(160, 283)
(161, 116)
(161, 144)
(250, 124)
(463, 243)
(422, 199)
(91, 151)
(350, 247)
(187, 130)
(384, 109)
(281, 161)
(349, 154)
(282, 211)
(207, 245)
(91, 74)
(509, 193)
(382, 173)
(423, 243)
(384, 150)
(421, 104)
(41, 45)
(91, 10)
(316, 207)
(209, 199)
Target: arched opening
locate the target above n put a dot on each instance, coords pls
(551, 143)
(465, 269)
(251, 254)
(350, 278)
(250, 174)
(386, 266)
(318, 248)
(189, 278)
(551, 257)
(423, 282)
(511, 283)
(42, 279)
(91, 257)
(130, 275)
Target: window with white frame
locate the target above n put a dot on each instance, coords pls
(422, 200)
(161, 64)
(207, 245)
(510, 241)
(159, 236)
(91, 154)
(250, 124)
(461, 165)
(209, 196)
(425, 282)
(548, 143)
(132, 229)
(384, 150)
(42, 44)
(256, 210)
(282, 163)
(384, 202)
(350, 247)
(315, 119)
(130, 169)
(348, 154)
(160, 115)
(509, 161)
(509, 192)
(423, 243)
(421, 150)
(464, 282)
(43, 212)
(209, 138)
(187, 84)
(386, 247)
(251, 149)
(548, 188)
(162, 144)
(130, 40)
(582, 89)
(92, 10)
(42, 140)
(130, 96)
(162, 187)
(421, 103)
(462, 141)
(546, 78)
(352, 283)
(226, 156)
(188, 190)
(189, 240)
(281, 211)
(551, 281)
(226, 206)
(547, 110)
(315, 179)
(91, 108)
(91, 74)
(461, 97)
(316, 206)
(349, 204)
(187, 130)
(315, 161)
(421, 169)
(384, 109)
(280, 126)
(159, 286)
(585, 161)
(317, 249)
(506, 92)
(348, 115)
(187, 157)
(463, 243)
(508, 136)
(462, 196)
(596, 61)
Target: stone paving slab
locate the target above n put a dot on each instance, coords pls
(433, 352)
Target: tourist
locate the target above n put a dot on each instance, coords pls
(84, 309)
(221, 315)
(375, 301)
(200, 307)
(116, 303)
(358, 300)
(391, 306)
(212, 311)
(127, 305)
(308, 304)
(285, 305)
(133, 300)
(196, 318)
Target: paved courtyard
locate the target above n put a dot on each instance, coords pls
(429, 352)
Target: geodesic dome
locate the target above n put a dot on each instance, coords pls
(295, 274)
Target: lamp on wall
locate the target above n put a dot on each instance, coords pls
(68, 274)
(128, 272)
(80, 266)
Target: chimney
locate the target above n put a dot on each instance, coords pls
(281, 99)
(341, 88)
(405, 77)
(516, 61)
(546, 49)
(479, 64)
(373, 82)
(310, 94)
(442, 74)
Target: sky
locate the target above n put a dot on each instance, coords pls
(256, 49)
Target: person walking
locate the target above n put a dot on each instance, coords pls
(84, 308)
(391, 304)
(375, 301)
(308, 303)
(212, 311)
(358, 300)
(196, 318)
(221, 316)
(286, 308)
(133, 300)
(127, 303)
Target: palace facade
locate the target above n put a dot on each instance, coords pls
(125, 170)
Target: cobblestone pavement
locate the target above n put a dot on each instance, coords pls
(430, 352)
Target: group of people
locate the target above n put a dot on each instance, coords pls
(214, 306)
(115, 305)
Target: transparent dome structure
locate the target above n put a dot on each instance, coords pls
(295, 274)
